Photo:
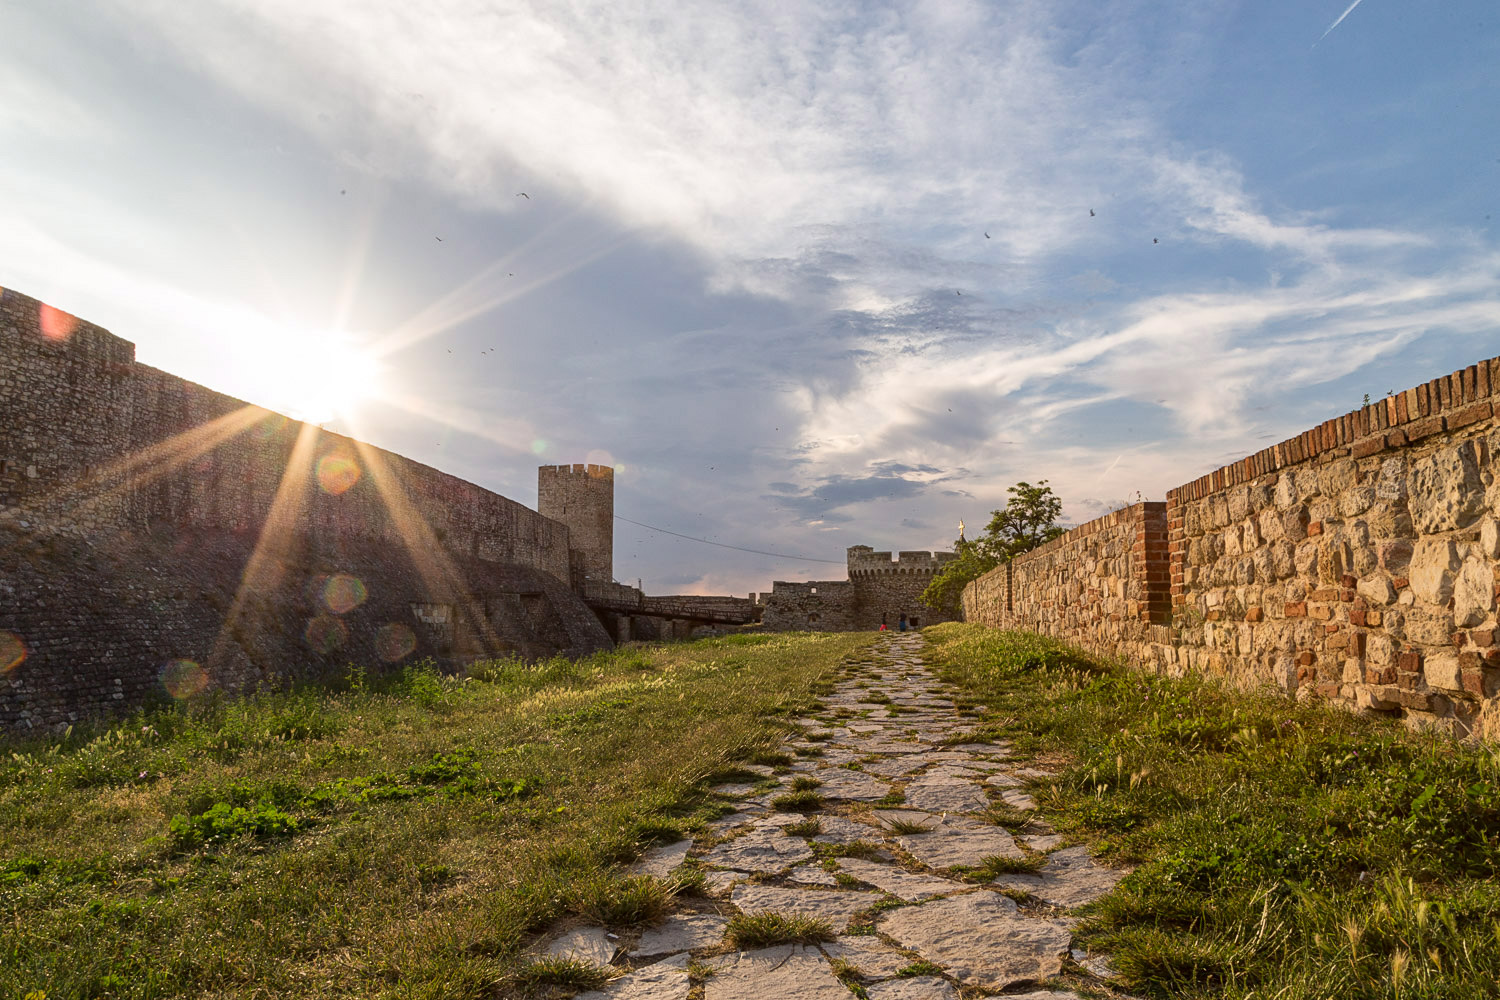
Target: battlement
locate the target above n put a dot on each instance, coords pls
(590, 471)
(865, 562)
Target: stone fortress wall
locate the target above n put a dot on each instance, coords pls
(156, 534)
(879, 591)
(1357, 562)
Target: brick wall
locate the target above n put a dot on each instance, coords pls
(131, 504)
(1356, 562)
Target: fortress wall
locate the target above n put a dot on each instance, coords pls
(886, 588)
(1357, 562)
(1102, 586)
(816, 606)
(131, 502)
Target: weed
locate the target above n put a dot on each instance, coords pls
(906, 827)
(809, 827)
(803, 783)
(919, 969)
(569, 973)
(806, 800)
(762, 930)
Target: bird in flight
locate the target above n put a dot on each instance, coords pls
(438, 238)
(1091, 213)
(523, 194)
(986, 235)
(1155, 240)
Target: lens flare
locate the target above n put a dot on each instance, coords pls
(56, 324)
(337, 473)
(12, 652)
(183, 678)
(539, 446)
(326, 634)
(394, 641)
(343, 593)
(620, 469)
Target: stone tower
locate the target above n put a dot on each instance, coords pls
(583, 498)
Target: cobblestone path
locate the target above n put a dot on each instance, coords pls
(900, 823)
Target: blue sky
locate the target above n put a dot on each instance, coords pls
(810, 275)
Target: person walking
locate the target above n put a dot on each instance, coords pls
(901, 625)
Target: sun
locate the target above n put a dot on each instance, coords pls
(312, 375)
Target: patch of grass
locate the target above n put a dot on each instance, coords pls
(446, 821)
(804, 783)
(906, 827)
(771, 758)
(853, 849)
(919, 969)
(894, 797)
(569, 973)
(809, 827)
(765, 929)
(1285, 848)
(806, 800)
(999, 864)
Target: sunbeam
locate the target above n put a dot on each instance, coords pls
(149, 463)
(494, 286)
(263, 570)
(440, 577)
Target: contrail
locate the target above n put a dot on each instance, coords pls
(1347, 11)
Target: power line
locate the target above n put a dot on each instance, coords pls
(737, 548)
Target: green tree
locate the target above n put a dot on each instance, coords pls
(1028, 519)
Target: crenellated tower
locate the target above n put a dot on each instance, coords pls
(583, 498)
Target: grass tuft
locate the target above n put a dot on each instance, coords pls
(765, 929)
(805, 800)
(568, 973)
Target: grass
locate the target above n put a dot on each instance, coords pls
(569, 973)
(906, 827)
(1284, 849)
(803, 800)
(809, 827)
(803, 783)
(999, 864)
(403, 836)
(765, 929)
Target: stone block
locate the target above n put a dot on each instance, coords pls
(1441, 670)
(1473, 592)
(1434, 562)
(1447, 491)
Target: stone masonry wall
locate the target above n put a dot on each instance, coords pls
(886, 588)
(147, 521)
(1357, 562)
(583, 498)
(816, 606)
(1102, 586)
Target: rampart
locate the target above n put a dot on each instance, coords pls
(1357, 562)
(879, 591)
(151, 528)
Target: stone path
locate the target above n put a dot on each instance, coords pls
(882, 861)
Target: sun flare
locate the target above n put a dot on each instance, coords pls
(311, 375)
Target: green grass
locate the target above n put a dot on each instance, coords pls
(1285, 849)
(569, 973)
(803, 800)
(765, 929)
(402, 837)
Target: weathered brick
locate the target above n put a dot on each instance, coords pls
(1294, 609)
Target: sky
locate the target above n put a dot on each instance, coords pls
(809, 275)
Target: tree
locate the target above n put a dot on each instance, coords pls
(1027, 520)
